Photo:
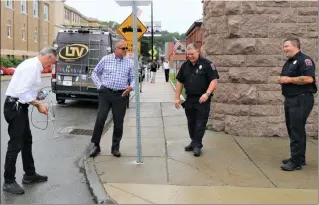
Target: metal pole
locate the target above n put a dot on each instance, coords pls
(318, 57)
(137, 89)
(152, 32)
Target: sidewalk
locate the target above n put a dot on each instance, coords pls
(231, 169)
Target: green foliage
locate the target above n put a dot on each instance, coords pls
(4, 62)
(16, 62)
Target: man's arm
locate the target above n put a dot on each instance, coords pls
(97, 72)
(307, 70)
(132, 77)
(212, 86)
(179, 87)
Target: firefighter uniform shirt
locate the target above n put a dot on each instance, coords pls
(26, 81)
(299, 65)
(196, 78)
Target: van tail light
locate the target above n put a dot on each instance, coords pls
(53, 71)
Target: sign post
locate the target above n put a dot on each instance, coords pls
(138, 29)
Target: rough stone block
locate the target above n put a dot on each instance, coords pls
(277, 130)
(232, 109)
(223, 77)
(313, 4)
(221, 69)
(312, 11)
(269, 46)
(312, 31)
(298, 4)
(233, 8)
(276, 119)
(235, 93)
(264, 110)
(273, 80)
(262, 60)
(254, 26)
(289, 15)
(214, 45)
(234, 26)
(275, 71)
(229, 60)
(307, 19)
(216, 8)
(270, 98)
(284, 30)
(240, 46)
(220, 117)
(246, 126)
(248, 7)
(216, 25)
(267, 10)
(218, 125)
(249, 75)
(273, 3)
(268, 87)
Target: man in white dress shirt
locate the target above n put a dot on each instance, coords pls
(22, 91)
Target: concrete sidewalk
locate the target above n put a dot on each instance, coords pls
(231, 169)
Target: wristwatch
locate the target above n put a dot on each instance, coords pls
(208, 94)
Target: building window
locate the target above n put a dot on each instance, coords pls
(23, 33)
(36, 8)
(46, 12)
(36, 34)
(24, 6)
(9, 29)
(9, 4)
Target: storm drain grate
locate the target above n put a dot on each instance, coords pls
(81, 132)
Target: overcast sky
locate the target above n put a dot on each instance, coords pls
(175, 15)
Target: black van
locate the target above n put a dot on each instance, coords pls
(79, 50)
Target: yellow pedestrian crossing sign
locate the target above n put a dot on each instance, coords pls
(126, 28)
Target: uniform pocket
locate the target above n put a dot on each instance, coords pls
(10, 111)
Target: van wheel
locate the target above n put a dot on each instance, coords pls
(59, 101)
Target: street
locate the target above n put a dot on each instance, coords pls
(57, 157)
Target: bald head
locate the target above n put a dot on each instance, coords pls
(120, 49)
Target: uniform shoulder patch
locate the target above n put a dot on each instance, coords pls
(213, 66)
(308, 62)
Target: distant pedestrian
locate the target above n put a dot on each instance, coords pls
(166, 69)
(199, 77)
(298, 84)
(22, 92)
(154, 68)
(114, 78)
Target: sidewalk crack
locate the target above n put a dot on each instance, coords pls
(165, 141)
(194, 167)
(131, 194)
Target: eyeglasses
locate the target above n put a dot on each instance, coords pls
(123, 48)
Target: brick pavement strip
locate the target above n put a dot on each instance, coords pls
(235, 168)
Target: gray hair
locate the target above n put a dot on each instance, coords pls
(192, 47)
(46, 51)
(117, 42)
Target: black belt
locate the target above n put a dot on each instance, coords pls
(14, 100)
(115, 91)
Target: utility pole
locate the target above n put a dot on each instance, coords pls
(152, 32)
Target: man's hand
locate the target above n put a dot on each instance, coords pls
(42, 109)
(127, 91)
(204, 98)
(285, 79)
(177, 103)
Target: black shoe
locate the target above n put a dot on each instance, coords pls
(197, 151)
(13, 188)
(95, 151)
(116, 152)
(34, 179)
(290, 166)
(285, 161)
(189, 148)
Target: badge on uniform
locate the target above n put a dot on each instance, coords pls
(200, 66)
(294, 62)
(308, 62)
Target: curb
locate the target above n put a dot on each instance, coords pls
(91, 176)
(172, 84)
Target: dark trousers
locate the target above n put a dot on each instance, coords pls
(297, 110)
(166, 74)
(197, 116)
(20, 140)
(108, 100)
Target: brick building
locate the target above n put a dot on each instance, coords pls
(194, 34)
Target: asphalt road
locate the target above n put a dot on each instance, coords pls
(56, 156)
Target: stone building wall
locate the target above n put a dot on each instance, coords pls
(244, 39)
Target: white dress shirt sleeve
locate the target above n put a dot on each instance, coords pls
(26, 84)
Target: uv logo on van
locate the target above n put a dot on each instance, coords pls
(73, 52)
